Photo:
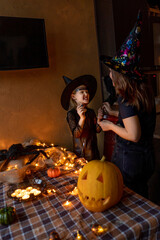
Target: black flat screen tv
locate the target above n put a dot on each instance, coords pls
(22, 43)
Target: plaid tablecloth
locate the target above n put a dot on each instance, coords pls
(132, 218)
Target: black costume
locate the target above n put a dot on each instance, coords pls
(84, 140)
(136, 160)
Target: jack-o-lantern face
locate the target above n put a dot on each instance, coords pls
(100, 185)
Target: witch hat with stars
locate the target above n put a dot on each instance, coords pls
(126, 61)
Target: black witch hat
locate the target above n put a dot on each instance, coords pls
(88, 80)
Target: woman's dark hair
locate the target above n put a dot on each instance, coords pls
(136, 92)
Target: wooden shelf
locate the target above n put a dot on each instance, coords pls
(154, 12)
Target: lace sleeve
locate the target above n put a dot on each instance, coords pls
(74, 126)
(97, 127)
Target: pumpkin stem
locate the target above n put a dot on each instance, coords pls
(103, 159)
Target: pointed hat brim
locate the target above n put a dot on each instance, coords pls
(134, 73)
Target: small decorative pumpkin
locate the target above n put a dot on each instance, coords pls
(100, 185)
(53, 172)
(7, 215)
(54, 236)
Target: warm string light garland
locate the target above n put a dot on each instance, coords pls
(60, 156)
(67, 161)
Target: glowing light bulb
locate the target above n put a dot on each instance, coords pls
(75, 191)
(98, 230)
(79, 236)
(67, 203)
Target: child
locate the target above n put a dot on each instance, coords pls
(81, 119)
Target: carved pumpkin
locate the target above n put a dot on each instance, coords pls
(53, 172)
(100, 185)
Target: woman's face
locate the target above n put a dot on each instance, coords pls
(111, 76)
(81, 95)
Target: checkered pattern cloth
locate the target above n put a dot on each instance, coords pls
(132, 218)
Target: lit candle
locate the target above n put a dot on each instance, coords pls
(29, 188)
(16, 166)
(98, 230)
(79, 236)
(26, 196)
(67, 203)
(13, 195)
(75, 191)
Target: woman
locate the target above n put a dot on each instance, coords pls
(133, 152)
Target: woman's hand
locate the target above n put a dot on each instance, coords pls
(131, 130)
(107, 108)
(105, 125)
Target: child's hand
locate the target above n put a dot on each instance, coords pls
(81, 111)
(100, 114)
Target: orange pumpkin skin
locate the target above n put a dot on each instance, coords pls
(100, 185)
(53, 172)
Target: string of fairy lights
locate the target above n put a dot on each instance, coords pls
(68, 162)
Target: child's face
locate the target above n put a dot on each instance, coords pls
(81, 95)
